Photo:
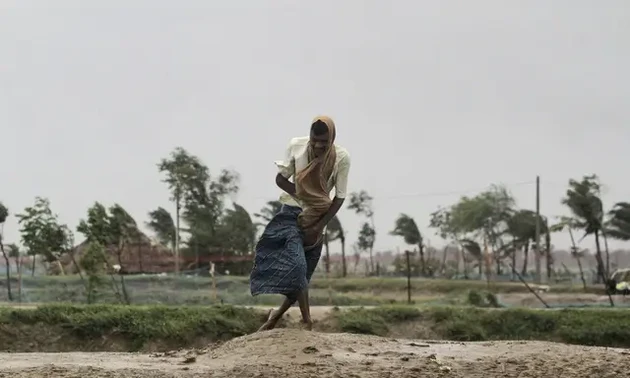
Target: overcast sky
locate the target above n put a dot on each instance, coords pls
(433, 99)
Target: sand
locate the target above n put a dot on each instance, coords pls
(299, 353)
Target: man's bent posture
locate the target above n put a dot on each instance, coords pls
(290, 247)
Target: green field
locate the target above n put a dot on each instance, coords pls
(155, 328)
(235, 290)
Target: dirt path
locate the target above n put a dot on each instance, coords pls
(297, 353)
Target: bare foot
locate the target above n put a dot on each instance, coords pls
(307, 324)
(271, 322)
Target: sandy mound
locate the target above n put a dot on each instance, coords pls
(296, 353)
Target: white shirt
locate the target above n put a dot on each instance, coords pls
(296, 159)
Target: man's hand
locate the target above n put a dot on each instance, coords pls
(286, 185)
(313, 234)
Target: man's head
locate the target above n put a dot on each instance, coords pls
(319, 137)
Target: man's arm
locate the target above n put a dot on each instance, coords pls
(335, 206)
(286, 185)
(341, 186)
(286, 169)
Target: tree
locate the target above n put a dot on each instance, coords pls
(237, 230)
(14, 252)
(582, 199)
(618, 225)
(124, 231)
(407, 228)
(484, 217)
(522, 227)
(204, 212)
(361, 203)
(365, 241)
(474, 249)
(162, 224)
(4, 214)
(92, 263)
(334, 231)
(42, 234)
(186, 177)
(569, 224)
(114, 229)
(199, 201)
(446, 228)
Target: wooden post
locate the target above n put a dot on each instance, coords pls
(537, 233)
(407, 253)
(214, 282)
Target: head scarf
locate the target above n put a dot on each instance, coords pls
(311, 183)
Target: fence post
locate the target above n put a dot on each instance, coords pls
(408, 278)
(214, 282)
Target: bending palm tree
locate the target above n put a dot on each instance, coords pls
(583, 200)
(618, 226)
(407, 228)
(569, 224)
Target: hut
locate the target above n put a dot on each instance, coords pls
(141, 255)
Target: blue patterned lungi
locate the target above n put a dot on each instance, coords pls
(282, 265)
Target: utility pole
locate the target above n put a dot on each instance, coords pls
(537, 248)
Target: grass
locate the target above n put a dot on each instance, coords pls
(134, 326)
(148, 328)
(601, 327)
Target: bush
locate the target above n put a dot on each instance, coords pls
(138, 325)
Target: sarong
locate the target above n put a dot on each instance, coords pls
(282, 265)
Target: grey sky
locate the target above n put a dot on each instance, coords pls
(428, 96)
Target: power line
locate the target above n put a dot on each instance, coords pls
(446, 193)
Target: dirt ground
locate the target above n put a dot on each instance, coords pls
(298, 353)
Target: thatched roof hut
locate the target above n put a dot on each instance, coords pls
(140, 256)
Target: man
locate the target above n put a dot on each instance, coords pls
(290, 247)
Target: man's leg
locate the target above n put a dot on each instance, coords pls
(305, 309)
(276, 315)
(312, 255)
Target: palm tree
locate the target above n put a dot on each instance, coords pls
(334, 231)
(567, 223)
(583, 200)
(522, 227)
(618, 225)
(407, 228)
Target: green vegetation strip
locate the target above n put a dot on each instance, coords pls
(136, 325)
(135, 328)
(600, 327)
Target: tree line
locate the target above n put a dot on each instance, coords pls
(487, 228)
